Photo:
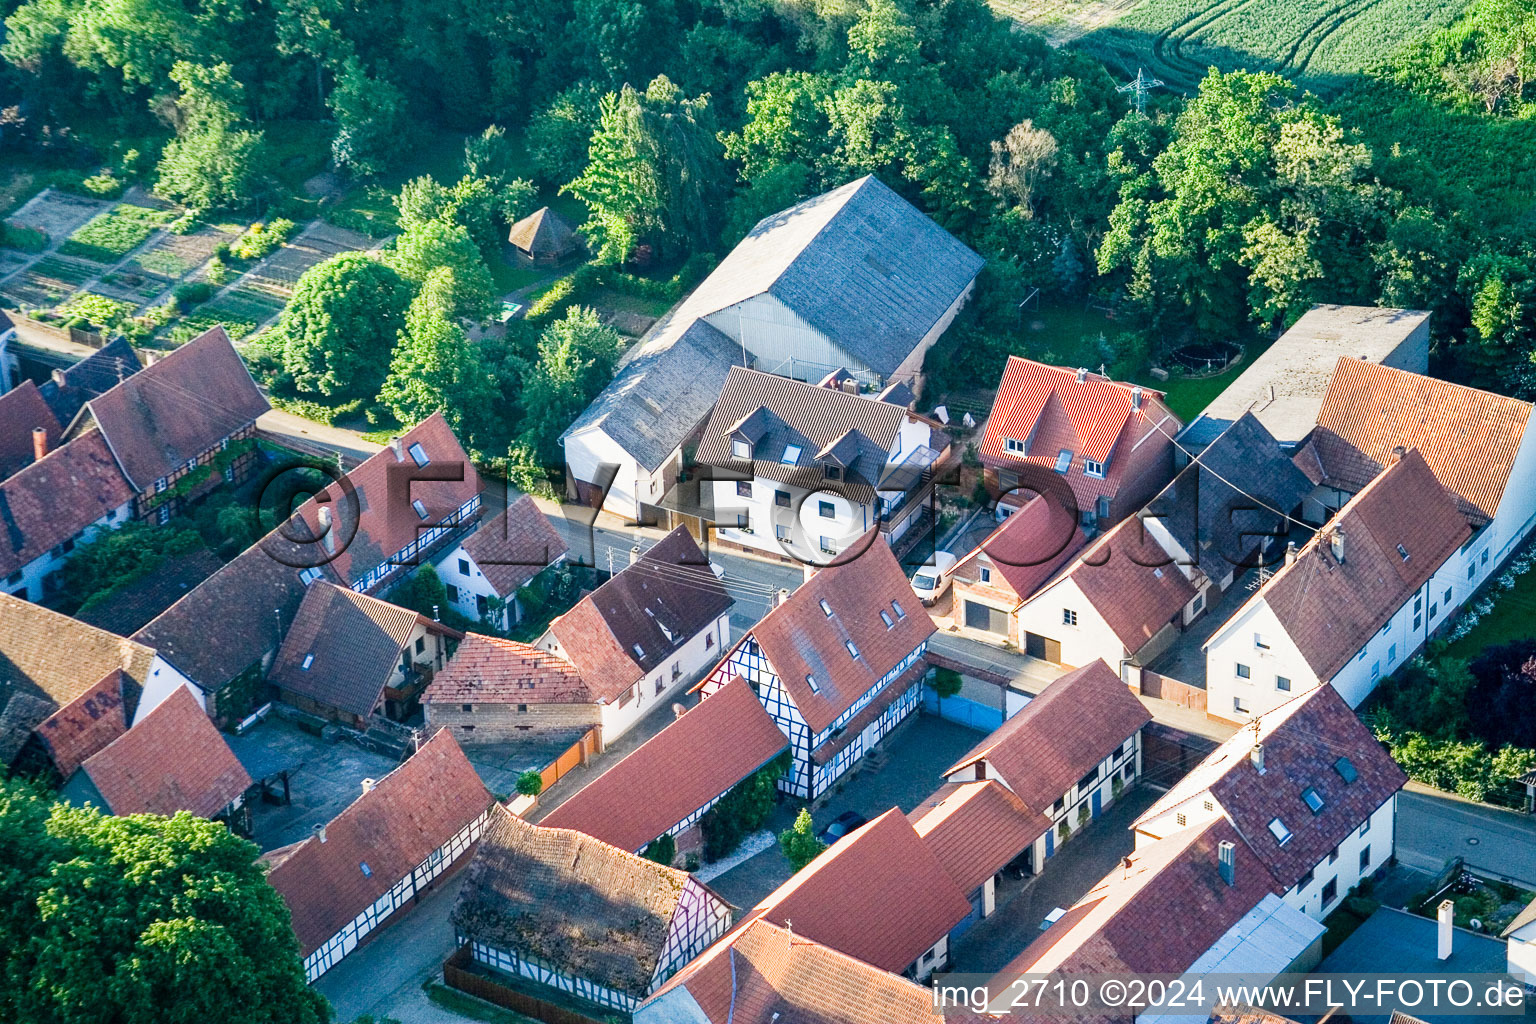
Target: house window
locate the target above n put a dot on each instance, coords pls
(811, 682)
(1447, 595)
(1365, 859)
(1243, 672)
(826, 609)
(418, 454)
(1258, 641)
(1418, 602)
(741, 449)
(224, 445)
(1392, 654)
(826, 510)
(1314, 802)
(851, 648)
(1417, 621)
(1282, 683)
(1279, 831)
(308, 576)
(1387, 628)
(13, 578)
(901, 612)
(791, 455)
(1306, 880)
(1068, 617)
(662, 686)
(421, 644)
(1094, 469)
(1238, 706)
(828, 545)
(421, 510)
(365, 869)
(1330, 890)
(1013, 444)
(639, 651)
(986, 575)
(677, 672)
(831, 472)
(709, 641)
(1333, 855)
(1102, 507)
(1471, 569)
(1365, 827)
(743, 488)
(1375, 671)
(781, 499)
(452, 592)
(1181, 818)
(309, 659)
(885, 617)
(463, 567)
(1483, 558)
(1434, 609)
(522, 709)
(164, 515)
(467, 708)
(161, 484)
(1063, 460)
(1197, 604)
(1346, 769)
(781, 531)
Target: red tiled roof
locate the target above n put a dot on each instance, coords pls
(21, 410)
(514, 547)
(1048, 409)
(670, 589)
(1132, 583)
(48, 502)
(1058, 737)
(173, 760)
(178, 407)
(1329, 609)
(763, 973)
(1303, 739)
(1155, 913)
(799, 639)
(975, 828)
(88, 723)
(355, 643)
(691, 762)
(1025, 550)
(410, 812)
(1468, 437)
(879, 895)
(490, 670)
(376, 520)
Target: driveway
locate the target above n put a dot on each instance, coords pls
(900, 772)
(1077, 865)
(1433, 827)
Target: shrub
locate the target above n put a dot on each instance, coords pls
(218, 271)
(262, 239)
(87, 309)
(194, 293)
(531, 783)
(743, 810)
(662, 851)
(103, 185)
(18, 236)
(181, 225)
(799, 841)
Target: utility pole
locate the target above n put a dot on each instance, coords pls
(1139, 87)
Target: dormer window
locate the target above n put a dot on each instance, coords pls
(826, 609)
(1093, 469)
(791, 455)
(1014, 446)
(1063, 460)
(740, 449)
(418, 455)
(811, 682)
(832, 472)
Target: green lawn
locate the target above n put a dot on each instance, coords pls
(509, 276)
(1187, 396)
(1512, 618)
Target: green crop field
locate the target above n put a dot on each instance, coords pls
(109, 236)
(1318, 43)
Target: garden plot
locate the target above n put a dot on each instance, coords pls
(278, 273)
(47, 282)
(57, 214)
(175, 256)
(108, 237)
(241, 310)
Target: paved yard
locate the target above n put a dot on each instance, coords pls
(500, 764)
(1077, 865)
(901, 771)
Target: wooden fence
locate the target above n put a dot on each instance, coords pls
(1172, 690)
(577, 753)
(459, 971)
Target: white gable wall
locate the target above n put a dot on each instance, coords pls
(1516, 514)
(1090, 639)
(1522, 953)
(1342, 867)
(587, 453)
(1236, 699)
(31, 583)
(163, 681)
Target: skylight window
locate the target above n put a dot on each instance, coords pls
(1346, 769)
(901, 612)
(1314, 802)
(1063, 460)
(1279, 831)
(309, 659)
(811, 682)
(851, 648)
(826, 609)
(639, 651)
(418, 454)
(367, 871)
(885, 617)
(1402, 552)
(421, 510)
(791, 454)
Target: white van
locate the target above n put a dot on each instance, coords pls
(930, 581)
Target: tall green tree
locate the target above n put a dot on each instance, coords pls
(480, 205)
(576, 356)
(800, 843)
(214, 162)
(140, 920)
(437, 368)
(338, 330)
(655, 173)
(374, 129)
(427, 245)
(559, 133)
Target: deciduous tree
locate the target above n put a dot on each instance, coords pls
(340, 327)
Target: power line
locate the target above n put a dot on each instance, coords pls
(1139, 87)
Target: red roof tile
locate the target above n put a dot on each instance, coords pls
(21, 410)
(490, 670)
(1303, 739)
(666, 598)
(173, 760)
(685, 766)
(48, 502)
(515, 547)
(88, 723)
(1468, 437)
(1025, 550)
(1330, 609)
(800, 639)
(410, 812)
(178, 407)
(976, 828)
(762, 973)
(879, 895)
(1060, 735)
(1132, 583)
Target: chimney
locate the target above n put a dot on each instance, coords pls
(435, 616)
(1256, 755)
(327, 533)
(1336, 544)
(1136, 398)
(1082, 374)
(39, 443)
(1445, 917)
(398, 448)
(320, 832)
(58, 377)
(1397, 455)
(368, 785)
(1290, 552)
(780, 597)
(1226, 861)
(634, 554)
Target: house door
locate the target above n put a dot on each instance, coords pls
(1097, 802)
(978, 899)
(1042, 647)
(1050, 843)
(870, 738)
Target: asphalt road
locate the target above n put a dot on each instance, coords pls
(1433, 827)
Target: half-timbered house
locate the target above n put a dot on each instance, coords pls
(838, 664)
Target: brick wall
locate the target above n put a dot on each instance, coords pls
(498, 723)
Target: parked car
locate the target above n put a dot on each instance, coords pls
(845, 823)
(930, 581)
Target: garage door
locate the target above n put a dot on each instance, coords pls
(980, 616)
(1043, 647)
